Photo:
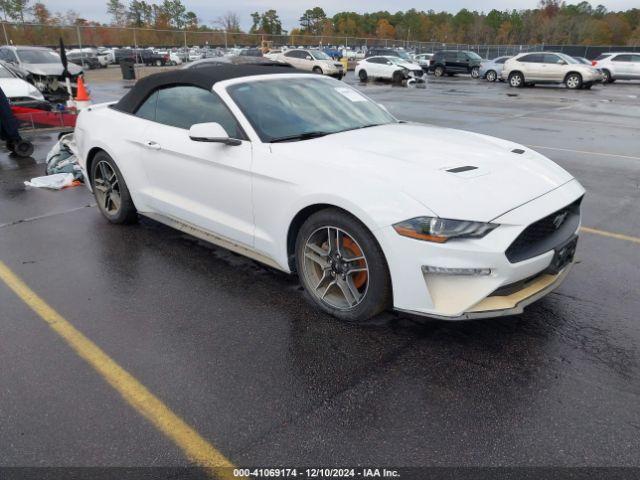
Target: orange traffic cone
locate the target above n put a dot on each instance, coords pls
(82, 96)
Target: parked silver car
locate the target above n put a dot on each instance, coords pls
(549, 67)
(45, 69)
(491, 69)
(619, 66)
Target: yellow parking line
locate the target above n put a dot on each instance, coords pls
(196, 448)
(618, 236)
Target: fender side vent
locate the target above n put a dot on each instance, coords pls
(519, 151)
(462, 169)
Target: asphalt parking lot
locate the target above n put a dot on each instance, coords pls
(232, 348)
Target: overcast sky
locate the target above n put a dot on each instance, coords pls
(290, 10)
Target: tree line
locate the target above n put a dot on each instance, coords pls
(551, 22)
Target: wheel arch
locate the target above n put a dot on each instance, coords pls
(303, 214)
(571, 72)
(91, 155)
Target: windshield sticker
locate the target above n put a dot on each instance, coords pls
(350, 94)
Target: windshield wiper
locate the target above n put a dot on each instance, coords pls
(301, 136)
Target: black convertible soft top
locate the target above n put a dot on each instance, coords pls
(203, 77)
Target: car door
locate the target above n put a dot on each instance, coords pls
(451, 62)
(294, 58)
(204, 184)
(462, 62)
(554, 68)
(623, 65)
(532, 66)
(379, 67)
(635, 67)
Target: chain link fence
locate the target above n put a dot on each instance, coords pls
(107, 36)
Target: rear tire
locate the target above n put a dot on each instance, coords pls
(397, 77)
(351, 297)
(573, 81)
(110, 190)
(158, 63)
(317, 70)
(362, 74)
(475, 72)
(607, 76)
(492, 76)
(516, 80)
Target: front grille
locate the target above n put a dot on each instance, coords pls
(545, 234)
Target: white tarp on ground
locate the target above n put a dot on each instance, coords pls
(55, 181)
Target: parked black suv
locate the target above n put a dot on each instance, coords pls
(387, 52)
(450, 62)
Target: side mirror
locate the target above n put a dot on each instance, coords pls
(211, 132)
(308, 57)
(562, 62)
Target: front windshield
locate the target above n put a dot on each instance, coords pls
(396, 60)
(403, 55)
(318, 55)
(474, 56)
(287, 108)
(38, 56)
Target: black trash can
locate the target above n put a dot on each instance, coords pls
(126, 67)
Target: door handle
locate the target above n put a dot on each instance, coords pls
(152, 145)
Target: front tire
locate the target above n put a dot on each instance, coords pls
(342, 267)
(438, 71)
(397, 77)
(110, 190)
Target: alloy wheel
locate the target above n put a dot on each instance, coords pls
(491, 76)
(107, 188)
(515, 80)
(475, 72)
(336, 268)
(573, 81)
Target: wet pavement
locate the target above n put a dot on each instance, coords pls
(233, 348)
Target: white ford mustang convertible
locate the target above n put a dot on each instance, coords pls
(307, 175)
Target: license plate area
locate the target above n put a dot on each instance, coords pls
(563, 255)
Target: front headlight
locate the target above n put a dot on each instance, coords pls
(34, 92)
(439, 230)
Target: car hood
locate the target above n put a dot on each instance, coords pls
(50, 68)
(16, 87)
(418, 158)
(409, 65)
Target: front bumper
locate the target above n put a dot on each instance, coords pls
(497, 305)
(460, 297)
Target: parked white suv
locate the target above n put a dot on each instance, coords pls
(549, 67)
(619, 66)
(314, 61)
